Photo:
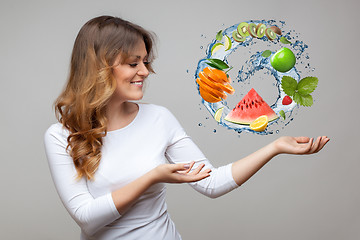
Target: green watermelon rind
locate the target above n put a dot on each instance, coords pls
(252, 95)
(248, 123)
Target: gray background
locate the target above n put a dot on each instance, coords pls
(292, 197)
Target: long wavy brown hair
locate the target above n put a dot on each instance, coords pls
(81, 107)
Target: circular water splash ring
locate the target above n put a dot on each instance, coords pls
(255, 63)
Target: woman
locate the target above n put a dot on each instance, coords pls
(110, 157)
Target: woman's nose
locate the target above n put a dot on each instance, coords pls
(143, 71)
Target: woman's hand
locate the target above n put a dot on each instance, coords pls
(179, 173)
(299, 145)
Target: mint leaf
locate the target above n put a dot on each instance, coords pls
(303, 100)
(282, 114)
(217, 63)
(307, 85)
(289, 85)
(266, 53)
(284, 40)
(219, 35)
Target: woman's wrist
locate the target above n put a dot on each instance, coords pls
(152, 175)
(274, 149)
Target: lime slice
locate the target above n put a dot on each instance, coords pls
(218, 114)
(216, 47)
(227, 43)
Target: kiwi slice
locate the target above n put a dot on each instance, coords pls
(276, 30)
(252, 30)
(260, 30)
(237, 37)
(242, 29)
(271, 35)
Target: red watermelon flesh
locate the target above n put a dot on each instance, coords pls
(250, 108)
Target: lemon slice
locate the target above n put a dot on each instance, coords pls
(218, 114)
(259, 124)
(227, 43)
(216, 47)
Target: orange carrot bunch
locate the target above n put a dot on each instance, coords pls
(213, 84)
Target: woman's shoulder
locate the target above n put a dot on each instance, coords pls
(56, 131)
(153, 108)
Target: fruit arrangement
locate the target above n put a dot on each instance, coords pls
(252, 112)
(213, 83)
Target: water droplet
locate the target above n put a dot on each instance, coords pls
(277, 131)
(214, 131)
(201, 47)
(200, 124)
(187, 70)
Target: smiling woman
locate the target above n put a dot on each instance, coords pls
(110, 157)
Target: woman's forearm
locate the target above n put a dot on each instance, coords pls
(245, 168)
(125, 197)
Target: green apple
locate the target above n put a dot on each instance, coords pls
(283, 60)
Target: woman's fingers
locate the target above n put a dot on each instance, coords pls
(195, 177)
(198, 169)
(322, 143)
(318, 144)
(315, 145)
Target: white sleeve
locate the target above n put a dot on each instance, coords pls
(183, 150)
(89, 213)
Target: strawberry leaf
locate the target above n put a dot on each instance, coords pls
(289, 85)
(303, 100)
(307, 85)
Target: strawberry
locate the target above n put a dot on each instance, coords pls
(286, 100)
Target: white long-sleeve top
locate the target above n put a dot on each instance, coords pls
(154, 137)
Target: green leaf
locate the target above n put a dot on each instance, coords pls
(303, 100)
(284, 40)
(213, 65)
(219, 35)
(282, 114)
(266, 53)
(217, 63)
(289, 85)
(307, 85)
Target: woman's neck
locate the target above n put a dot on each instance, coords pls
(120, 114)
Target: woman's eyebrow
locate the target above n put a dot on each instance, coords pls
(137, 56)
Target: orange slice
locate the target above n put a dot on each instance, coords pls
(208, 96)
(216, 75)
(221, 75)
(211, 90)
(227, 88)
(209, 81)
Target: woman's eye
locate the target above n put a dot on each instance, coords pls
(146, 63)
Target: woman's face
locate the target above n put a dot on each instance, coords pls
(131, 74)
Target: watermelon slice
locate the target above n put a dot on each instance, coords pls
(250, 108)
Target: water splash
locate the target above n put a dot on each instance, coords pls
(254, 64)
